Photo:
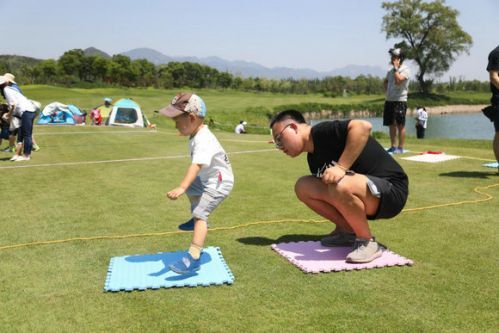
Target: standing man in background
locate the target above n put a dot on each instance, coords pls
(421, 121)
(396, 87)
(492, 111)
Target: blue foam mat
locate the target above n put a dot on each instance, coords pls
(491, 165)
(150, 271)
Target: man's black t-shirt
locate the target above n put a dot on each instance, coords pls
(329, 139)
(494, 65)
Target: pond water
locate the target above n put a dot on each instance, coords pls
(472, 125)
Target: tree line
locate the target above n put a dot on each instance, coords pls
(75, 68)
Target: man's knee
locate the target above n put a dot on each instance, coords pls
(302, 187)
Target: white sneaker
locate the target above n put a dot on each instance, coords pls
(15, 157)
(22, 158)
(364, 250)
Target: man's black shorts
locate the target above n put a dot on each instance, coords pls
(492, 112)
(394, 113)
(393, 196)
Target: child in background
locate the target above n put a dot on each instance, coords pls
(421, 121)
(209, 178)
(96, 117)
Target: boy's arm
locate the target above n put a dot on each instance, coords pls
(357, 136)
(189, 177)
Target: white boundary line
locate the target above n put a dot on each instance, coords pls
(250, 141)
(122, 160)
(97, 132)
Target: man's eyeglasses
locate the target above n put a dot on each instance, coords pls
(277, 139)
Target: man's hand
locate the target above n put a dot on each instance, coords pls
(396, 63)
(175, 193)
(333, 175)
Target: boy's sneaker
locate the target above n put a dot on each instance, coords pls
(398, 150)
(391, 150)
(364, 250)
(338, 239)
(15, 157)
(187, 226)
(186, 265)
(36, 147)
(9, 150)
(22, 158)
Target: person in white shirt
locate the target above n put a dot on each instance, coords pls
(421, 121)
(396, 87)
(208, 180)
(22, 108)
(240, 129)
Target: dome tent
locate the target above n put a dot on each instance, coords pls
(61, 114)
(127, 113)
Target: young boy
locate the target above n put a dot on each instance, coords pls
(353, 179)
(208, 180)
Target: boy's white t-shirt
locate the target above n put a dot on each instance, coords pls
(13, 96)
(216, 171)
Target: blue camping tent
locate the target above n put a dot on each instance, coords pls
(61, 114)
(127, 113)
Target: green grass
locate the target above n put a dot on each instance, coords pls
(452, 286)
(228, 107)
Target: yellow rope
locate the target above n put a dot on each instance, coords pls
(149, 234)
(476, 190)
(59, 241)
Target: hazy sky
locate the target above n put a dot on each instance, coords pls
(315, 34)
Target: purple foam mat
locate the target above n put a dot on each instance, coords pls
(312, 257)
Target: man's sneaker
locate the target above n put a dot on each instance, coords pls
(187, 226)
(15, 157)
(186, 265)
(338, 239)
(36, 147)
(22, 158)
(364, 250)
(398, 150)
(391, 150)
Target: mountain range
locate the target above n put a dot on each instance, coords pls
(247, 69)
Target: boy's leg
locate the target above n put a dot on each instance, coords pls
(198, 238)
(206, 204)
(189, 225)
(194, 193)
